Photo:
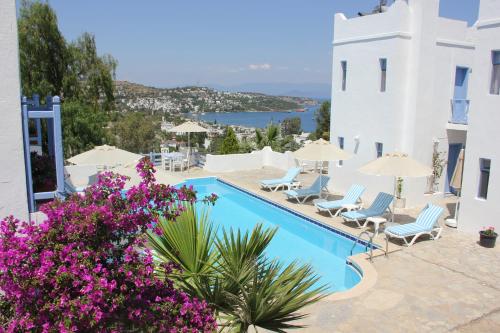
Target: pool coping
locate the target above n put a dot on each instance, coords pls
(359, 262)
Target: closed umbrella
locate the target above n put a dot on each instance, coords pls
(188, 127)
(106, 156)
(396, 165)
(321, 151)
(456, 183)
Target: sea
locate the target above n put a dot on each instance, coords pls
(260, 119)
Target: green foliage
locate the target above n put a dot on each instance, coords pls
(246, 146)
(74, 71)
(399, 187)
(83, 127)
(233, 274)
(230, 143)
(291, 126)
(289, 144)
(136, 132)
(323, 121)
(270, 137)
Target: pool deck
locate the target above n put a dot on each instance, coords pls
(448, 285)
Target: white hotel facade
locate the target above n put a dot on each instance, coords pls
(408, 80)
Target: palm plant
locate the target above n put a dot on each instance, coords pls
(233, 274)
(270, 137)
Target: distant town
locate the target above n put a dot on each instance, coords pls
(136, 97)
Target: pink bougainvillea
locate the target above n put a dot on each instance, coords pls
(86, 269)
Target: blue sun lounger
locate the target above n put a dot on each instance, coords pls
(352, 197)
(302, 194)
(288, 181)
(378, 208)
(427, 223)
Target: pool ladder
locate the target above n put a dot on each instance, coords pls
(370, 243)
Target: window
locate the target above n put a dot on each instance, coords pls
(379, 147)
(344, 74)
(383, 74)
(495, 76)
(484, 177)
(341, 146)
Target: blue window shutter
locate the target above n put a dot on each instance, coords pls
(383, 64)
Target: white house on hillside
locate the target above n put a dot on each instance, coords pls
(401, 83)
(480, 203)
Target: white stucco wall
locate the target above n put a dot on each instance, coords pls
(483, 134)
(251, 161)
(13, 199)
(422, 52)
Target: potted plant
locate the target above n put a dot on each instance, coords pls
(488, 237)
(400, 201)
(438, 163)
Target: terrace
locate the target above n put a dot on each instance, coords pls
(429, 287)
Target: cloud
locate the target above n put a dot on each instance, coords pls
(262, 67)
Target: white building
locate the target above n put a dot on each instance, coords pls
(13, 196)
(400, 83)
(480, 203)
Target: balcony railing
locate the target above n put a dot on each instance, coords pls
(459, 111)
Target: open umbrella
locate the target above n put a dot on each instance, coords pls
(188, 127)
(456, 183)
(106, 156)
(321, 151)
(396, 165)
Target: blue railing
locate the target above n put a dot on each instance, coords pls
(459, 111)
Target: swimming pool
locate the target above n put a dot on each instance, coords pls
(298, 237)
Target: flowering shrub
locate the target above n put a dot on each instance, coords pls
(85, 268)
(490, 231)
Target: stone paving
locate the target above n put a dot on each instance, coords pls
(451, 284)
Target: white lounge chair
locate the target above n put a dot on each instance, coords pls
(351, 198)
(378, 208)
(288, 181)
(313, 191)
(427, 223)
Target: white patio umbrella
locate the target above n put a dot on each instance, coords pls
(129, 170)
(188, 127)
(456, 183)
(396, 165)
(321, 151)
(106, 156)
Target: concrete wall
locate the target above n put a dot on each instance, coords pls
(251, 161)
(483, 138)
(422, 52)
(13, 198)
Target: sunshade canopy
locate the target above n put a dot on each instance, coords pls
(161, 176)
(188, 127)
(108, 156)
(321, 150)
(396, 165)
(456, 179)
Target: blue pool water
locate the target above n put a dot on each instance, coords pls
(297, 238)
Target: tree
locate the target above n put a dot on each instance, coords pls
(230, 143)
(83, 127)
(233, 274)
(270, 137)
(291, 126)
(74, 71)
(136, 132)
(323, 121)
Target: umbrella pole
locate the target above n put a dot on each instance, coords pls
(456, 206)
(394, 199)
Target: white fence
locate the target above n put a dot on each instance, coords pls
(251, 161)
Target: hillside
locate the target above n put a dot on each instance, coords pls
(136, 97)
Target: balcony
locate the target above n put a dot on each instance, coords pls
(459, 114)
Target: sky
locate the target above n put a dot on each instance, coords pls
(226, 43)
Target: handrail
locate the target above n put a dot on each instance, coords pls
(370, 243)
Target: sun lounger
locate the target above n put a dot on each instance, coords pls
(425, 224)
(350, 199)
(378, 208)
(302, 194)
(288, 181)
